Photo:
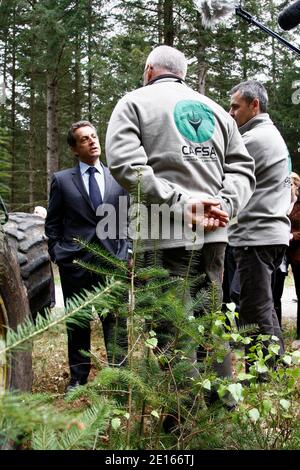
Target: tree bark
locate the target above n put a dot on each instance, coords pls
(13, 112)
(160, 16)
(169, 32)
(31, 143)
(202, 70)
(13, 294)
(90, 74)
(77, 81)
(52, 128)
(273, 55)
(245, 51)
(202, 65)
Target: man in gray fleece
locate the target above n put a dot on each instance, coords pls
(261, 231)
(186, 152)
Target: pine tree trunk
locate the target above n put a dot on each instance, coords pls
(52, 129)
(90, 75)
(3, 67)
(31, 143)
(169, 32)
(77, 82)
(32, 121)
(202, 70)
(245, 51)
(13, 114)
(202, 65)
(273, 55)
(160, 15)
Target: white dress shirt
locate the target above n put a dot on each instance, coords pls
(99, 175)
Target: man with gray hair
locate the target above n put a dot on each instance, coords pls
(261, 231)
(165, 58)
(183, 149)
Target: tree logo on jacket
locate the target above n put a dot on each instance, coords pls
(194, 120)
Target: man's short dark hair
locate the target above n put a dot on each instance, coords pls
(71, 140)
(250, 90)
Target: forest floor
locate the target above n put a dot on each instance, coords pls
(50, 363)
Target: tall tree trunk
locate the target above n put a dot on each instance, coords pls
(3, 87)
(52, 128)
(273, 55)
(4, 57)
(55, 49)
(160, 22)
(77, 81)
(202, 65)
(90, 74)
(202, 70)
(245, 51)
(169, 32)
(32, 141)
(13, 113)
(4, 61)
(32, 120)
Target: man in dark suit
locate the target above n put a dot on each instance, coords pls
(75, 196)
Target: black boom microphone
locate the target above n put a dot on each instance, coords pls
(212, 11)
(289, 18)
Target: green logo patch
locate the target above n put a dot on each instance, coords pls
(194, 120)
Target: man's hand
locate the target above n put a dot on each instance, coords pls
(207, 213)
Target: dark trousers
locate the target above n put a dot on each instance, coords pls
(231, 280)
(256, 265)
(209, 261)
(296, 274)
(73, 281)
(278, 286)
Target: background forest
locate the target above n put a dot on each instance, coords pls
(65, 60)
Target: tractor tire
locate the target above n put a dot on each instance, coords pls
(26, 236)
(15, 367)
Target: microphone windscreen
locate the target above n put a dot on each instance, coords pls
(213, 11)
(289, 18)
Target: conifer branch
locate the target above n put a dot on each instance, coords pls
(27, 331)
(101, 253)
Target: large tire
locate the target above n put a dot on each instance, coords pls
(26, 236)
(15, 368)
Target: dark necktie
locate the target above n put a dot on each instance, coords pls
(95, 194)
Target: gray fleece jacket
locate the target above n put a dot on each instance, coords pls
(264, 220)
(184, 145)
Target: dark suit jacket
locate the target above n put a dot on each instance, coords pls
(71, 215)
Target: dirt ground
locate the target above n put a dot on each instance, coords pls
(50, 362)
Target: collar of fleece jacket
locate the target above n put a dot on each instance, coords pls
(261, 118)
